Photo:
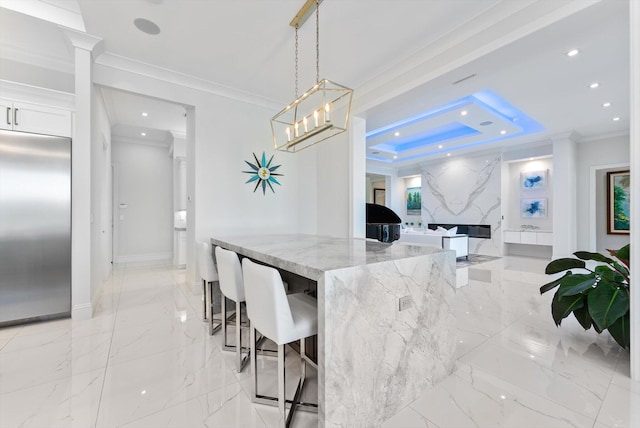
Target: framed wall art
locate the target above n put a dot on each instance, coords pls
(618, 193)
(414, 201)
(533, 208)
(533, 180)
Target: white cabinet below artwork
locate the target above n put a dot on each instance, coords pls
(38, 119)
(528, 237)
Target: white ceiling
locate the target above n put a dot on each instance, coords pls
(163, 121)
(248, 45)
(535, 76)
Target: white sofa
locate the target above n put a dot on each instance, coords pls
(447, 240)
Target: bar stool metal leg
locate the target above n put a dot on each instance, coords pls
(204, 300)
(282, 388)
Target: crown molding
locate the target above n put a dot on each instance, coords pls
(605, 136)
(37, 95)
(36, 58)
(498, 26)
(85, 41)
(55, 11)
(111, 60)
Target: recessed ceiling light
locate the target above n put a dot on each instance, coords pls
(503, 132)
(145, 114)
(594, 85)
(463, 113)
(615, 119)
(395, 157)
(530, 158)
(144, 134)
(573, 52)
(146, 26)
(607, 104)
(448, 154)
(440, 146)
(396, 134)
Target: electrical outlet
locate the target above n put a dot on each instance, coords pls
(405, 303)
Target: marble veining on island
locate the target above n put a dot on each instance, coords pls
(373, 360)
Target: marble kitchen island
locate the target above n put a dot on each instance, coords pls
(373, 359)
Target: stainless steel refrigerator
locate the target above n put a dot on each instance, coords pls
(35, 227)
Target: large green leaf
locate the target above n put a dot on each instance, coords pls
(561, 307)
(607, 303)
(623, 254)
(609, 275)
(620, 331)
(560, 265)
(585, 255)
(575, 284)
(583, 317)
(553, 284)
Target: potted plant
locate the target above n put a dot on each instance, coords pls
(597, 297)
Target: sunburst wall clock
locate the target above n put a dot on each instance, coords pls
(263, 173)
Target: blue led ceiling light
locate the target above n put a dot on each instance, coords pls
(453, 130)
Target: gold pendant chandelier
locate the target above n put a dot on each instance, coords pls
(319, 113)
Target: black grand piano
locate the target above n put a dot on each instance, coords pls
(382, 223)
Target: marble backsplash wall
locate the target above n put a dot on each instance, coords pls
(466, 191)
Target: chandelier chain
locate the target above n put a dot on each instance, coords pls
(317, 41)
(296, 62)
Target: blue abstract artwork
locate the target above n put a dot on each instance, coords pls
(533, 208)
(534, 180)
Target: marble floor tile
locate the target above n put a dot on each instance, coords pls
(145, 339)
(468, 340)
(408, 418)
(68, 402)
(7, 333)
(144, 386)
(146, 360)
(50, 362)
(621, 408)
(580, 388)
(225, 407)
(473, 398)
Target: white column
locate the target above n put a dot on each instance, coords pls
(81, 233)
(564, 195)
(358, 172)
(634, 8)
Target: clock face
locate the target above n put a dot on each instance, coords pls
(263, 173)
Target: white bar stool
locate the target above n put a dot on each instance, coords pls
(283, 319)
(209, 274)
(232, 288)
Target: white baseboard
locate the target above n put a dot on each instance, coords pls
(82, 312)
(152, 257)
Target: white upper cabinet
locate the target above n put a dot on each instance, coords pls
(38, 119)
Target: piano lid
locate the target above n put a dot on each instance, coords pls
(379, 214)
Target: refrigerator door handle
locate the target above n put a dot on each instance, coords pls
(15, 117)
(8, 115)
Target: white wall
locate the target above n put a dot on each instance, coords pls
(101, 208)
(145, 185)
(593, 154)
(465, 190)
(516, 193)
(605, 241)
(221, 134)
